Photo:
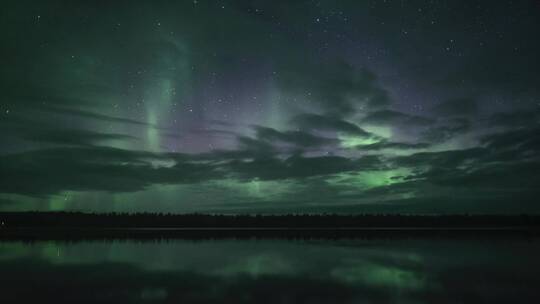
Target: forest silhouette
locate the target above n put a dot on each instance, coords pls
(30, 226)
(195, 220)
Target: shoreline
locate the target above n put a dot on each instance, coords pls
(153, 233)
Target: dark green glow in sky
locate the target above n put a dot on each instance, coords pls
(270, 106)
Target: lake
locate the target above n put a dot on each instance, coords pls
(403, 270)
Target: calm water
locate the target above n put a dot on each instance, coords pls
(272, 271)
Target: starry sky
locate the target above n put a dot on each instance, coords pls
(252, 106)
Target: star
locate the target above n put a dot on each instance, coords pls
(280, 86)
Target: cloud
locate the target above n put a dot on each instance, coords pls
(7, 202)
(254, 145)
(295, 138)
(297, 166)
(338, 87)
(495, 170)
(514, 119)
(51, 171)
(25, 95)
(52, 132)
(446, 130)
(269, 141)
(444, 159)
(506, 163)
(385, 144)
(520, 142)
(457, 107)
(482, 179)
(95, 116)
(72, 137)
(328, 123)
(509, 177)
(392, 118)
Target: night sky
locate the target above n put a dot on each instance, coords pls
(270, 106)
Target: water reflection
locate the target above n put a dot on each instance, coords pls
(272, 271)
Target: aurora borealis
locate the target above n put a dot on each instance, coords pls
(270, 106)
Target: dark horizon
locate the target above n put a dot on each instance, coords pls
(68, 220)
(77, 227)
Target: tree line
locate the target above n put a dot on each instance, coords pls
(196, 220)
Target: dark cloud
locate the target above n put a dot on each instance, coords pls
(457, 107)
(96, 116)
(385, 144)
(523, 118)
(7, 202)
(269, 141)
(506, 166)
(72, 137)
(31, 96)
(51, 171)
(295, 138)
(525, 141)
(444, 159)
(390, 117)
(513, 177)
(254, 145)
(447, 130)
(297, 166)
(39, 132)
(338, 87)
(328, 123)
(207, 132)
